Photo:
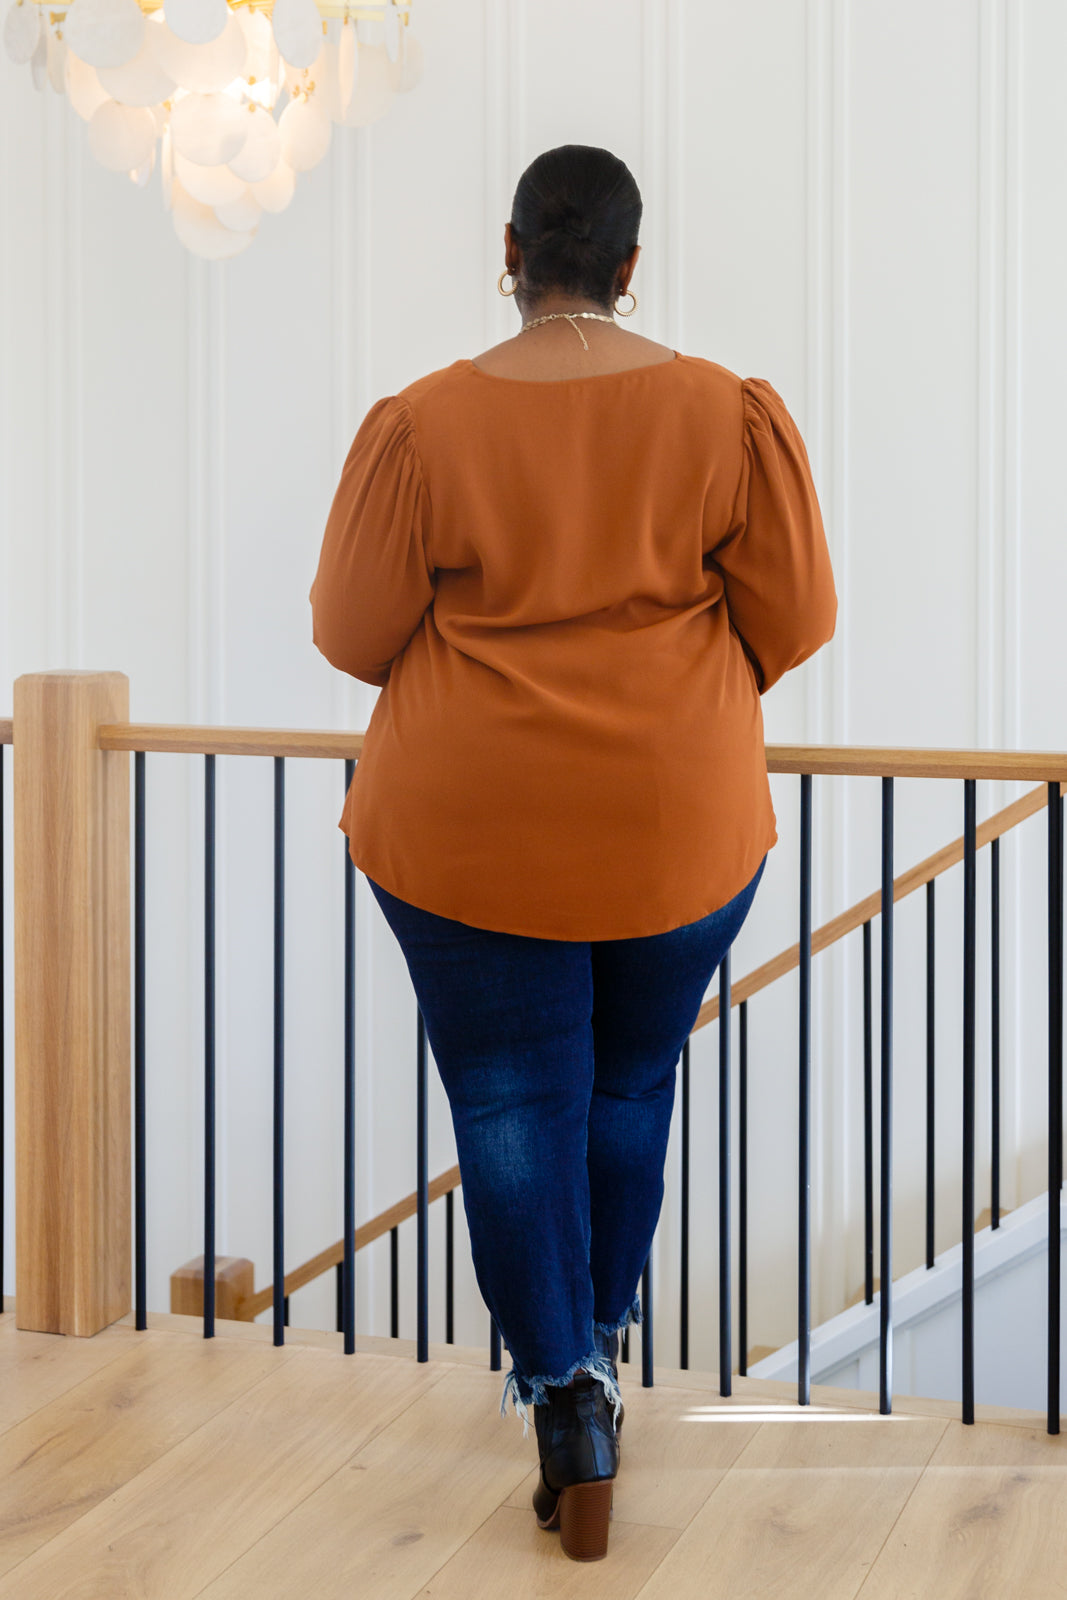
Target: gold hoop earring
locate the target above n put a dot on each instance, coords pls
(500, 283)
(632, 309)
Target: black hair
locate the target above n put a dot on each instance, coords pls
(575, 217)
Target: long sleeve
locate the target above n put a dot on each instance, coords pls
(774, 559)
(374, 581)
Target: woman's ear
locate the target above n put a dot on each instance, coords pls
(626, 271)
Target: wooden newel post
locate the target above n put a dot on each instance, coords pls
(72, 1003)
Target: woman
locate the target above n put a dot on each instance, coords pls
(573, 564)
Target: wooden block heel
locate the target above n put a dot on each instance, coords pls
(584, 1514)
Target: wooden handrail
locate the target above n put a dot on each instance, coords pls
(848, 921)
(384, 1223)
(856, 761)
(871, 761)
(186, 740)
(6, 730)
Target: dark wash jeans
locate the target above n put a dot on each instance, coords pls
(558, 1059)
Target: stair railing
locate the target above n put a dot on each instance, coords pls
(71, 734)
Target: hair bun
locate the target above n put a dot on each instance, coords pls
(572, 222)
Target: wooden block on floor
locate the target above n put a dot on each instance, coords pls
(787, 1535)
(188, 1516)
(510, 1543)
(400, 1508)
(968, 1533)
(84, 1444)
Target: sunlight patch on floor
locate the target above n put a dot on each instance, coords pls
(788, 1413)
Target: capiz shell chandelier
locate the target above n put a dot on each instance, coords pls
(230, 100)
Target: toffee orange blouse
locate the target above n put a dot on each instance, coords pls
(572, 595)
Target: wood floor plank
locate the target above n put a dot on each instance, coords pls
(87, 1442)
(174, 1527)
(669, 1464)
(400, 1508)
(977, 1533)
(836, 1440)
(510, 1543)
(321, 1339)
(766, 1389)
(785, 1534)
(748, 1389)
(980, 1445)
(37, 1367)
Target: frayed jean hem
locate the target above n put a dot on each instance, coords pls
(632, 1315)
(597, 1365)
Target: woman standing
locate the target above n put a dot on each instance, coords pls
(573, 565)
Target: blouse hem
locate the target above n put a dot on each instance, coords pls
(390, 884)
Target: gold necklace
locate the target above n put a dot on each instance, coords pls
(596, 316)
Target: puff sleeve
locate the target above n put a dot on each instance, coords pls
(774, 559)
(374, 580)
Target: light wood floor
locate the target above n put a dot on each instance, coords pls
(165, 1466)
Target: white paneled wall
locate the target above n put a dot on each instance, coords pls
(864, 205)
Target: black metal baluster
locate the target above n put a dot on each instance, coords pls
(742, 1195)
(394, 1283)
(646, 1324)
(931, 1015)
(494, 1347)
(347, 1280)
(209, 1047)
(683, 1294)
(1055, 1093)
(804, 1106)
(339, 1291)
(422, 1214)
(139, 1209)
(885, 1332)
(725, 1362)
(868, 1118)
(624, 1349)
(450, 1228)
(970, 923)
(994, 1031)
(281, 1304)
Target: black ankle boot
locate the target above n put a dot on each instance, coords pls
(579, 1460)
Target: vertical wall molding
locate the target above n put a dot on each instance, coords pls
(653, 271)
(7, 413)
(991, 155)
(63, 341)
(206, 521)
(504, 130)
(663, 146)
(349, 223)
(674, 179)
(826, 360)
(359, 698)
(499, 162)
(75, 397)
(1010, 575)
